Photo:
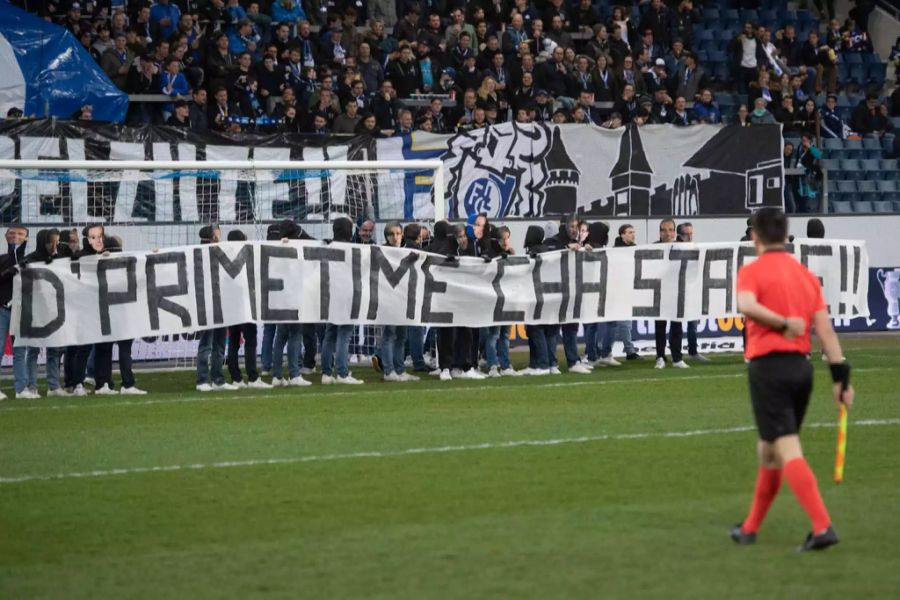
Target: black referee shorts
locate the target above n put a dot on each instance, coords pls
(780, 386)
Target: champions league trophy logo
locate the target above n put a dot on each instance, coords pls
(890, 285)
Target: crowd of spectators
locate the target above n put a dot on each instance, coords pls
(323, 66)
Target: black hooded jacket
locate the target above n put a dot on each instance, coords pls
(534, 240)
(40, 253)
(342, 230)
(290, 230)
(441, 242)
(620, 243)
(598, 235)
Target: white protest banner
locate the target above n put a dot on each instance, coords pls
(192, 288)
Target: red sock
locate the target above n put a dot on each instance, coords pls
(805, 487)
(767, 483)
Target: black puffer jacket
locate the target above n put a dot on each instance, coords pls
(8, 271)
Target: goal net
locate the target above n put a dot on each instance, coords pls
(159, 204)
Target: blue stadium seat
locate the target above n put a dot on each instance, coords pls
(718, 56)
(840, 207)
(887, 186)
(889, 168)
(725, 35)
(711, 15)
(871, 164)
(858, 74)
(866, 186)
(710, 46)
(852, 58)
(832, 186)
(731, 14)
(896, 206)
(833, 166)
(769, 15)
(871, 144)
(870, 57)
(787, 17)
(843, 73)
(883, 206)
(721, 72)
(887, 143)
(702, 57)
(853, 149)
(877, 73)
(832, 144)
(851, 168)
(704, 35)
(805, 17)
(725, 99)
(749, 15)
(846, 187)
(862, 206)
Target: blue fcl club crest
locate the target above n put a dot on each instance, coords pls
(490, 195)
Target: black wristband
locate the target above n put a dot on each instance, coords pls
(840, 373)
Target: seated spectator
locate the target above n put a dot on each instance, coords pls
(807, 118)
(706, 110)
(760, 115)
(742, 119)
(385, 106)
(869, 118)
(244, 39)
(662, 108)
(682, 116)
(761, 89)
(221, 110)
(586, 103)
(856, 39)
(832, 126)
(786, 114)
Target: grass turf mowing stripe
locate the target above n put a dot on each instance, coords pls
(415, 451)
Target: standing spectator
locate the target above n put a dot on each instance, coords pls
(659, 19)
(385, 106)
(347, 121)
(336, 343)
(404, 73)
(370, 70)
(393, 338)
(16, 242)
(747, 56)
(211, 348)
(247, 331)
(626, 106)
(821, 59)
(667, 235)
(691, 78)
(173, 84)
(685, 233)
(407, 29)
(117, 61)
(623, 328)
(792, 182)
(197, 113)
(807, 158)
(683, 23)
(599, 44)
(165, 16)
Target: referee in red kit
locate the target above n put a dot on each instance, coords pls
(781, 301)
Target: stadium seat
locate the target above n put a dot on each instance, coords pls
(704, 35)
(851, 168)
(711, 15)
(887, 143)
(731, 14)
(871, 144)
(861, 206)
(871, 57)
(857, 74)
(710, 46)
(888, 186)
(832, 187)
(883, 206)
(749, 15)
(853, 149)
(871, 164)
(787, 17)
(718, 56)
(867, 190)
(769, 15)
(896, 206)
(889, 169)
(832, 144)
(721, 72)
(833, 166)
(840, 207)
(877, 74)
(845, 186)
(852, 58)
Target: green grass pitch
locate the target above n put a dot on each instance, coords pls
(618, 484)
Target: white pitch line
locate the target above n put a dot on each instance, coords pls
(307, 392)
(411, 451)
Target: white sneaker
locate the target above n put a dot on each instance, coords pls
(445, 375)
(27, 394)
(327, 379)
(348, 380)
(298, 381)
(306, 371)
(698, 357)
(474, 373)
(456, 374)
(90, 381)
(201, 387)
(579, 368)
(224, 387)
(494, 372)
(482, 363)
(391, 377)
(259, 384)
(681, 365)
(265, 373)
(105, 390)
(526, 371)
(555, 371)
(58, 392)
(278, 382)
(435, 372)
(406, 377)
(353, 359)
(79, 390)
(608, 361)
(239, 384)
(3, 396)
(132, 391)
(660, 363)
(539, 372)
(408, 362)
(510, 372)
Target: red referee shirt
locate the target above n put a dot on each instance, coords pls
(783, 285)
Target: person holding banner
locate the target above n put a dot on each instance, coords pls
(667, 235)
(336, 345)
(211, 350)
(393, 337)
(782, 301)
(16, 240)
(248, 332)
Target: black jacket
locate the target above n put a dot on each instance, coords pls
(40, 252)
(534, 240)
(8, 264)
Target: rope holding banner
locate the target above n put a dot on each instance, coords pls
(841, 445)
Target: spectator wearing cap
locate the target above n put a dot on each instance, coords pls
(165, 15)
(831, 124)
(116, 61)
(706, 110)
(14, 114)
(181, 114)
(333, 51)
(657, 77)
(144, 80)
(691, 78)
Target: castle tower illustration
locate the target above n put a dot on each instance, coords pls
(563, 177)
(631, 176)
